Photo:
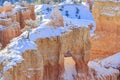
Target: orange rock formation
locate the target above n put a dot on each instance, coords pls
(106, 41)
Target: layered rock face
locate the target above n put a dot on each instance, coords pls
(24, 15)
(106, 41)
(107, 16)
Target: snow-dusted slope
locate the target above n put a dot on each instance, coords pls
(11, 55)
(106, 68)
(112, 61)
(70, 10)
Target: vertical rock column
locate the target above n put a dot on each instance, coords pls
(32, 13)
(81, 51)
(24, 15)
(49, 48)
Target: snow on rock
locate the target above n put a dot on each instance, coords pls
(101, 70)
(106, 68)
(46, 32)
(80, 22)
(74, 14)
(112, 61)
(97, 71)
(49, 31)
(2, 27)
(11, 55)
(6, 3)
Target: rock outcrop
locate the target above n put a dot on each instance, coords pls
(106, 41)
(97, 70)
(49, 57)
(106, 14)
(32, 13)
(24, 15)
(9, 32)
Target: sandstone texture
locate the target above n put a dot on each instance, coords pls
(8, 33)
(106, 41)
(106, 15)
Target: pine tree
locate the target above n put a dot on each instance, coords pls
(67, 13)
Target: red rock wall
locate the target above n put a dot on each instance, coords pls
(24, 16)
(9, 33)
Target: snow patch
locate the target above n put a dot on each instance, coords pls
(11, 55)
(2, 27)
(101, 70)
(112, 61)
